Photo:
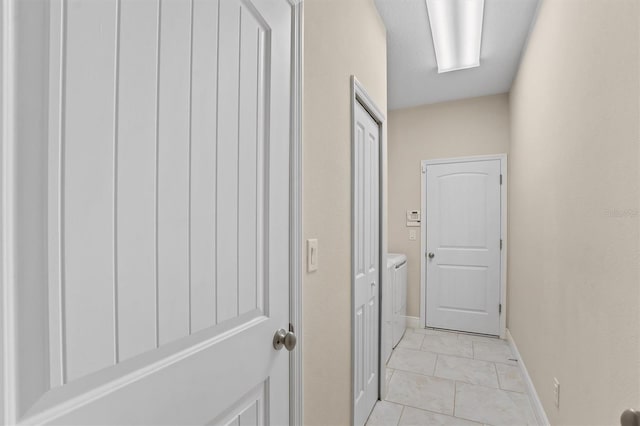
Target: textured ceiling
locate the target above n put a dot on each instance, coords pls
(413, 77)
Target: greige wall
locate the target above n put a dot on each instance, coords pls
(477, 126)
(573, 209)
(341, 38)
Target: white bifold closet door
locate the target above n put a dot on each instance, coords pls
(168, 212)
(366, 260)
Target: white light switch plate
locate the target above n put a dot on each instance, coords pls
(312, 255)
(413, 235)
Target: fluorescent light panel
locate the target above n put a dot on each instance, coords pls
(456, 28)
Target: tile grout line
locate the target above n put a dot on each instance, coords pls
(401, 414)
(422, 374)
(467, 358)
(455, 391)
(497, 375)
(424, 409)
(435, 364)
(439, 413)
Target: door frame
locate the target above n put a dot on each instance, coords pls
(8, 283)
(7, 102)
(296, 415)
(503, 231)
(360, 95)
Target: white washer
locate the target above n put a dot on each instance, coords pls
(399, 297)
(394, 302)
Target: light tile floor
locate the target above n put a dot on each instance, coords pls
(444, 378)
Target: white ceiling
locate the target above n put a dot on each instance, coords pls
(413, 77)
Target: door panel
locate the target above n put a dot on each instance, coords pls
(136, 163)
(168, 212)
(173, 170)
(463, 234)
(228, 126)
(87, 189)
(250, 411)
(204, 119)
(366, 258)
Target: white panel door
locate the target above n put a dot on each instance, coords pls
(463, 246)
(168, 211)
(366, 263)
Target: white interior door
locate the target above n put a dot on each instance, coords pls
(366, 263)
(463, 246)
(168, 216)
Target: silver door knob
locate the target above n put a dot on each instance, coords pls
(630, 418)
(431, 255)
(284, 338)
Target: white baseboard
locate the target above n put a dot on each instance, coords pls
(413, 322)
(538, 409)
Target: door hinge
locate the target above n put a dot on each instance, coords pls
(291, 328)
(500, 308)
(500, 179)
(424, 169)
(500, 243)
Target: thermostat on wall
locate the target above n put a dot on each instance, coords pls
(413, 218)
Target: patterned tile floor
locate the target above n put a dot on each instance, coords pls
(444, 378)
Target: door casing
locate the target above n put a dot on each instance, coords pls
(503, 232)
(296, 387)
(360, 95)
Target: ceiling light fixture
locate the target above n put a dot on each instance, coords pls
(456, 28)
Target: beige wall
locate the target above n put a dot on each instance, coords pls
(573, 209)
(341, 38)
(468, 127)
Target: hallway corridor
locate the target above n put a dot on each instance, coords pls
(445, 378)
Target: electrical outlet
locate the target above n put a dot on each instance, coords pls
(556, 392)
(413, 235)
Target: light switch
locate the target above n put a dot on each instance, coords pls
(413, 235)
(312, 255)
